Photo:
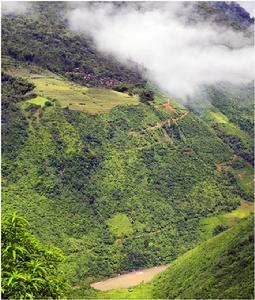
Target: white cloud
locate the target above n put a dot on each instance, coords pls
(14, 7)
(178, 58)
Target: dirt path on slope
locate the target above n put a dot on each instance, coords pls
(157, 126)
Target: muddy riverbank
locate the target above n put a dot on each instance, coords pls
(128, 280)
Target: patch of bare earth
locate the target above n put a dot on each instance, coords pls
(132, 133)
(219, 167)
(166, 106)
(37, 115)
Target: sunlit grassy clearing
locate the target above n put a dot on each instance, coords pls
(219, 117)
(38, 101)
(120, 225)
(242, 211)
(232, 129)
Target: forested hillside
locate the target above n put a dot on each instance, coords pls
(220, 268)
(109, 169)
(76, 164)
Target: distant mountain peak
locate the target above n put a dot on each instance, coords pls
(234, 11)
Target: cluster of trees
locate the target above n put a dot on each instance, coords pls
(14, 124)
(242, 146)
(146, 94)
(29, 268)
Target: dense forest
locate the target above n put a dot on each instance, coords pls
(119, 190)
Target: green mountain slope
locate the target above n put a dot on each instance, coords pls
(220, 268)
(149, 168)
(116, 184)
(236, 105)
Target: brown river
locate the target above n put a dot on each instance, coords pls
(128, 280)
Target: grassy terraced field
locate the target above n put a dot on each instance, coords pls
(79, 98)
(68, 94)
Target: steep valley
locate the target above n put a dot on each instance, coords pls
(120, 176)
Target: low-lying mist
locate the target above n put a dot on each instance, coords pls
(15, 7)
(179, 56)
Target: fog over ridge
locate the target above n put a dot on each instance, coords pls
(178, 58)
